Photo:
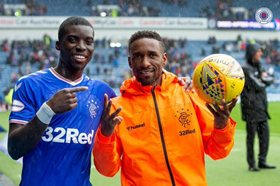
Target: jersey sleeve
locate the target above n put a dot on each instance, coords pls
(107, 152)
(23, 105)
(111, 93)
(217, 143)
(105, 89)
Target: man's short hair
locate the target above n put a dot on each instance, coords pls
(74, 20)
(146, 34)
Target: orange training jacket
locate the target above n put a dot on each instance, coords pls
(162, 138)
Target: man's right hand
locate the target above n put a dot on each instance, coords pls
(186, 82)
(65, 100)
(109, 122)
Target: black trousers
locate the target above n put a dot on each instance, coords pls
(263, 134)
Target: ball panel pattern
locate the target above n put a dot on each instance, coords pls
(218, 76)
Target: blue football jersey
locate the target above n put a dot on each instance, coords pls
(63, 155)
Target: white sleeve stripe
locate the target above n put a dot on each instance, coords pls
(18, 121)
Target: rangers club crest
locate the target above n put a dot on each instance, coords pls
(183, 118)
(263, 15)
(92, 108)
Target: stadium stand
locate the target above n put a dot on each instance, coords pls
(222, 9)
(18, 58)
(110, 64)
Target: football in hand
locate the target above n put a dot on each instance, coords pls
(217, 77)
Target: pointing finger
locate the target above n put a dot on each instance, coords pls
(77, 89)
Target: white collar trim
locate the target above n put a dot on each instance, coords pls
(58, 76)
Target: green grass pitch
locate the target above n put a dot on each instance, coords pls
(230, 171)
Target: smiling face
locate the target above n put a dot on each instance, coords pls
(147, 60)
(76, 47)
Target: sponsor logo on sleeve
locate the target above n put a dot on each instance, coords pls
(17, 106)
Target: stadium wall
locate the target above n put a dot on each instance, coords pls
(122, 27)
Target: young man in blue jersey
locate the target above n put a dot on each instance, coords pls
(56, 112)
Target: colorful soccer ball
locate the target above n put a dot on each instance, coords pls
(218, 76)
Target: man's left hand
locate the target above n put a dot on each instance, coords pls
(221, 114)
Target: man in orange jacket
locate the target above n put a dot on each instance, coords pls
(164, 130)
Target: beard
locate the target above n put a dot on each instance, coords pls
(147, 81)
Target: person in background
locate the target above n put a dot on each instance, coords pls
(162, 132)
(56, 113)
(254, 107)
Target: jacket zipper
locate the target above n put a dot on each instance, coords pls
(162, 139)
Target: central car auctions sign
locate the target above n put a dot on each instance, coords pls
(106, 22)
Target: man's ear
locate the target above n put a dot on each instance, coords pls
(129, 62)
(57, 45)
(164, 60)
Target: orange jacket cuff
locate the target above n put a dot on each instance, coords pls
(230, 124)
(105, 139)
